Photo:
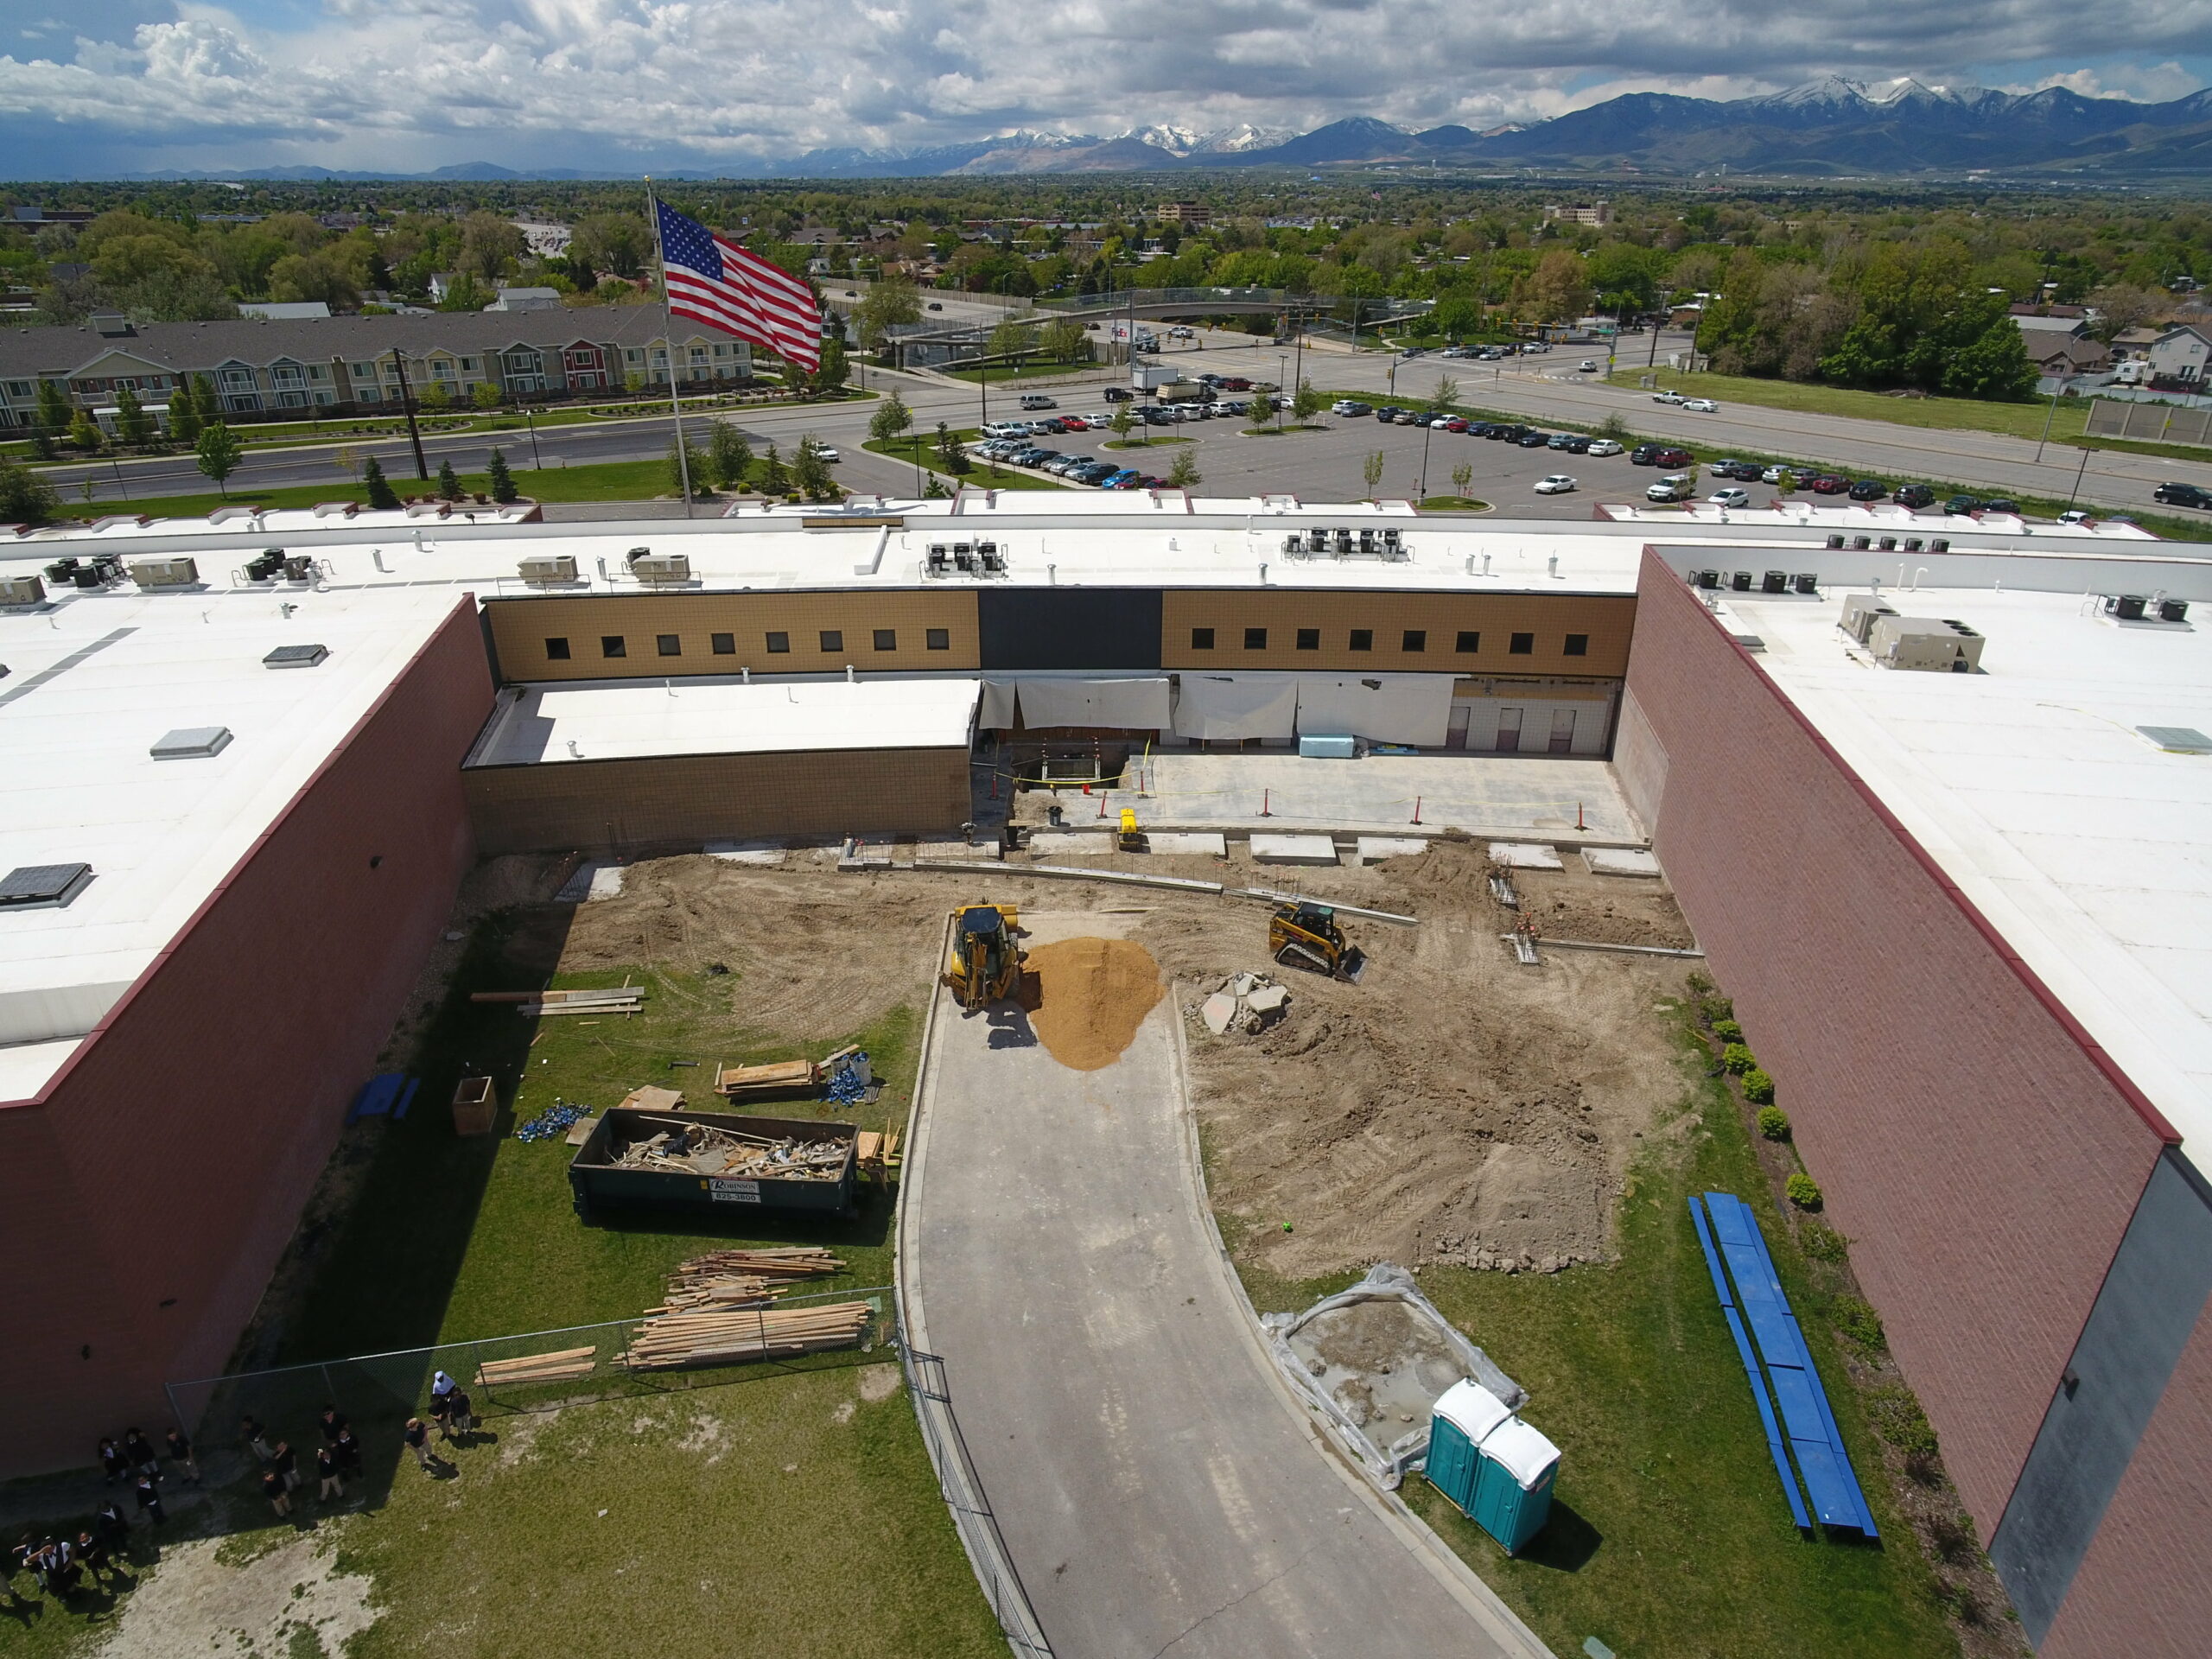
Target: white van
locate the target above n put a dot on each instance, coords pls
(1036, 400)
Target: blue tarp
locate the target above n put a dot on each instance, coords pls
(1816, 1442)
(389, 1094)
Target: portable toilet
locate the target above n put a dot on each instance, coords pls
(1514, 1497)
(1462, 1418)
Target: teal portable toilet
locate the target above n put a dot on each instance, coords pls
(1513, 1498)
(1462, 1418)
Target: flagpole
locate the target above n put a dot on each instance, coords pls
(668, 317)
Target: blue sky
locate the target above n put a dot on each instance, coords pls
(104, 86)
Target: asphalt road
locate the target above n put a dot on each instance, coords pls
(1156, 1491)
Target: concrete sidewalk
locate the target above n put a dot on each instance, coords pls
(1157, 1491)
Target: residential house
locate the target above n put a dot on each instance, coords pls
(2179, 355)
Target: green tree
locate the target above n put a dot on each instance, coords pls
(435, 398)
(831, 371)
(728, 456)
(184, 413)
(491, 247)
(1064, 340)
(775, 477)
(1372, 470)
(85, 432)
(450, 483)
(218, 454)
(891, 417)
(1266, 407)
(810, 474)
(618, 244)
(465, 293)
(890, 301)
(318, 275)
(1463, 478)
(381, 496)
(26, 497)
(55, 412)
(132, 424)
(1184, 474)
(1306, 403)
(485, 395)
(499, 483)
(1994, 365)
(951, 456)
(1123, 419)
(685, 461)
(204, 399)
(1011, 340)
(1445, 395)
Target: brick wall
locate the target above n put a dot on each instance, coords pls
(2142, 1590)
(680, 800)
(1981, 1159)
(147, 1196)
(1605, 619)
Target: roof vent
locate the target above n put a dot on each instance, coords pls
(190, 742)
(2178, 740)
(295, 656)
(113, 324)
(34, 886)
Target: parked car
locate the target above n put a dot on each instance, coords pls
(1554, 484)
(937, 305)
(1605, 446)
(1671, 456)
(1236, 383)
(1960, 506)
(1675, 486)
(1576, 444)
(1868, 489)
(2000, 505)
(2183, 495)
(1410, 418)
(1388, 413)
(1781, 475)
(1559, 440)
(1827, 483)
(1454, 423)
(1701, 406)
(1670, 396)
(1534, 439)
(1733, 496)
(1646, 455)
(1915, 496)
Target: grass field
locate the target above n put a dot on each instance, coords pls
(999, 371)
(1453, 503)
(1948, 413)
(1668, 1536)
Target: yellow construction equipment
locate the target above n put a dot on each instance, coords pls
(985, 965)
(1132, 838)
(1306, 935)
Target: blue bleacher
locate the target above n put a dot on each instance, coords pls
(1789, 1379)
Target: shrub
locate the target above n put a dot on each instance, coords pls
(1697, 981)
(1950, 1539)
(1899, 1419)
(1737, 1058)
(1728, 1031)
(1804, 1191)
(1774, 1123)
(1821, 1241)
(1758, 1088)
(1859, 1322)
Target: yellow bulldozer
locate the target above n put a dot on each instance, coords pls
(1306, 935)
(985, 966)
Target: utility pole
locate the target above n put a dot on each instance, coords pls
(2051, 414)
(407, 408)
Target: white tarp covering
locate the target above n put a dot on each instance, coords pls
(1264, 706)
(996, 714)
(1122, 705)
(1414, 708)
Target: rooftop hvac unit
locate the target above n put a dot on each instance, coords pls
(165, 573)
(22, 590)
(1912, 543)
(2173, 610)
(940, 559)
(1293, 545)
(548, 566)
(1925, 644)
(1941, 544)
(299, 567)
(2129, 607)
(635, 554)
(661, 567)
(1741, 582)
(1366, 542)
(1706, 578)
(1806, 581)
(1861, 544)
(1859, 612)
(1775, 581)
(1888, 543)
(1835, 541)
(1344, 543)
(993, 560)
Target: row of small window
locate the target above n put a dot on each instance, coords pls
(832, 641)
(1413, 641)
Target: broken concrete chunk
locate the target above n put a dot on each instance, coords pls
(1265, 1000)
(1220, 1008)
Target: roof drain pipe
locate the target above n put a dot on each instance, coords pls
(1264, 573)
(1051, 575)
(852, 675)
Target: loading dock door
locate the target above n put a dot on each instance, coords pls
(1509, 731)
(1562, 731)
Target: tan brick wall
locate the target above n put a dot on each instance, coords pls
(597, 805)
(520, 628)
(1607, 618)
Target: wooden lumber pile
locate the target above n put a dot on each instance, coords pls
(618, 998)
(564, 1366)
(713, 1337)
(734, 1290)
(787, 1261)
(783, 1077)
(878, 1153)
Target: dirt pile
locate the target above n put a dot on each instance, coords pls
(1091, 996)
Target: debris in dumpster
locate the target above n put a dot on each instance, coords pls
(555, 1120)
(702, 1149)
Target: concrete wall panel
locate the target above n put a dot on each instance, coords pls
(1605, 622)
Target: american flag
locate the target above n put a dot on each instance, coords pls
(720, 283)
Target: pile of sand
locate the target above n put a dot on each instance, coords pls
(1091, 996)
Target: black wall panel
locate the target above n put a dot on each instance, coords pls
(1069, 628)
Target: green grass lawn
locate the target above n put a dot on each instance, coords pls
(1026, 371)
(1669, 1536)
(1453, 503)
(1948, 413)
(981, 474)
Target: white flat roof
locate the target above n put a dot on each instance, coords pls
(619, 720)
(122, 671)
(2084, 842)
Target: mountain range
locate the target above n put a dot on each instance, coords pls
(1834, 128)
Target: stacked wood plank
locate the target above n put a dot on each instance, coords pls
(878, 1153)
(734, 1290)
(618, 998)
(710, 1337)
(786, 1261)
(564, 1366)
(782, 1077)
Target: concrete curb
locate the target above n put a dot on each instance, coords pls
(1482, 1602)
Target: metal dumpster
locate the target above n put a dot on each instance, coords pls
(596, 1183)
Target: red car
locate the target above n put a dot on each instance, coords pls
(1827, 483)
(1455, 425)
(1674, 458)
(1075, 423)
(1236, 383)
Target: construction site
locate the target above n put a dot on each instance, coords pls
(1159, 1109)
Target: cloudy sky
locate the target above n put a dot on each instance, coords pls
(98, 87)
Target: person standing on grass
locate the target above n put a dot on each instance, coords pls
(417, 1437)
(115, 1531)
(441, 1411)
(112, 1462)
(256, 1439)
(286, 1463)
(99, 1563)
(458, 1419)
(272, 1488)
(180, 1455)
(150, 1500)
(348, 1451)
(140, 1451)
(332, 1477)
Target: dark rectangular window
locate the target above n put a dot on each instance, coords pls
(1470, 641)
(1523, 644)
(1255, 638)
(670, 644)
(1201, 639)
(613, 644)
(1578, 645)
(1415, 640)
(1309, 639)
(725, 645)
(939, 639)
(557, 651)
(779, 644)
(833, 638)
(1363, 638)
(887, 638)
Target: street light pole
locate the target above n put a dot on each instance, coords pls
(407, 408)
(2079, 471)
(1426, 433)
(2051, 414)
(530, 420)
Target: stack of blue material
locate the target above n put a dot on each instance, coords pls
(1789, 1378)
(555, 1121)
(845, 1086)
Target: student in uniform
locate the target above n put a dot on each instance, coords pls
(149, 1499)
(180, 1455)
(99, 1563)
(348, 1450)
(140, 1451)
(459, 1422)
(286, 1463)
(334, 1424)
(327, 1470)
(256, 1439)
(417, 1437)
(114, 1531)
(272, 1488)
(114, 1464)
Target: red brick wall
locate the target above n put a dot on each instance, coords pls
(170, 1159)
(2142, 1590)
(1982, 1159)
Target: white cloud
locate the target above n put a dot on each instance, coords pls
(2157, 83)
(383, 82)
